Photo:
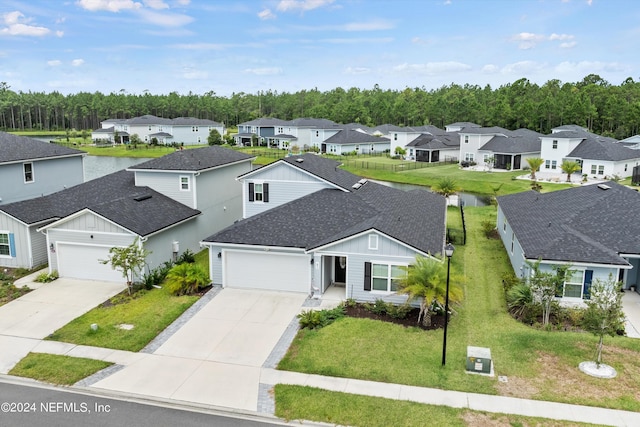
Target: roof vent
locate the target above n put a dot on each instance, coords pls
(356, 186)
(142, 197)
(299, 160)
(603, 186)
(363, 181)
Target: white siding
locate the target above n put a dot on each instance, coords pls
(168, 183)
(21, 238)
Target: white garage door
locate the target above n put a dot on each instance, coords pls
(267, 271)
(81, 262)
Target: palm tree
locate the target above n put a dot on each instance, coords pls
(426, 280)
(534, 164)
(446, 187)
(570, 167)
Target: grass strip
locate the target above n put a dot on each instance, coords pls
(57, 369)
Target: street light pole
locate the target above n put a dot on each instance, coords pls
(448, 251)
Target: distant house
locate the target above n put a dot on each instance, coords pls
(261, 129)
(167, 203)
(31, 168)
(600, 157)
(181, 130)
(310, 225)
(499, 148)
(592, 228)
(305, 133)
(354, 139)
(434, 145)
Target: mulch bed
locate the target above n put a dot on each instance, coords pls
(358, 311)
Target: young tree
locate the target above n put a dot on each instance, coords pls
(426, 280)
(545, 286)
(399, 151)
(135, 140)
(446, 187)
(604, 315)
(129, 260)
(570, 167)
(214, 137)
(534, 164)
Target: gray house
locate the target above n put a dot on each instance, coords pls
(31, 168)
(167, 203)
(310, 226)
(593, 228)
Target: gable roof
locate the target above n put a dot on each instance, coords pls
(115, 197)
(353, 136)
(598, 149)
(581, 224)
(14, 148)
(323, 168)
(415, 218)
(265, 122)
(431, 141)
(196, 159)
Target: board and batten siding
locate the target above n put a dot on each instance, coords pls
(357, 252)
(21, 237)
(286, 183)
(90, 222)
(168, 183)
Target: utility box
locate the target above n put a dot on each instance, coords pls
(479, 360)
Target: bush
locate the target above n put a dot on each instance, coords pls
(488, 228)
(398, 311)
(509, 280)
(312, 319)
(186, 279)
(46, 277)
(186, 257)
(519, 298)
(156, 276)
(379, 307)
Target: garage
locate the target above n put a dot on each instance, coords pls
(270, 271)
(81, 262)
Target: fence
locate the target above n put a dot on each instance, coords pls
(394, 167)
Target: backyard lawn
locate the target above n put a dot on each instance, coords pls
(538, 364)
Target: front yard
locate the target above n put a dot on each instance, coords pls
(538, 364)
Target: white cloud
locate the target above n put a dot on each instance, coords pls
(522, 67)
(433, 67)
(108, 5)
(358, 40)
(54, 62)
(193, 74)
(266, 14)
(490, 69)
(267, 71)
(527, 40)
(301, 5)
(165, 19)
(589, 67)
(357, 70)
(18, 25)
(567, 45)
(156, 4)
(560, 37)
(420, 40)
(77, 62)
(59, 33)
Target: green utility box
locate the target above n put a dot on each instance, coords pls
(479, 360)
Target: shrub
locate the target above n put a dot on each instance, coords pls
(509, 280)
(379, 307)
(186, 257)
(312, 319)
(488, 228)
(398, 311)
(156, 276)
(350, 302)
(46, 277)
(186, 279)
(519, 297)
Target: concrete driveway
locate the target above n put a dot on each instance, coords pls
(216, 357)
(23, 322)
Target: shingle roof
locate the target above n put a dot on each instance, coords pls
(428, 141)
(352, 136)
(112, 196)
(192, 121)
(597, 149)
(513, 144)
(147, 119)
(196, 159)
(416, 218)
(313, 123)
(265, 122)
(580, 224)
(15, 148)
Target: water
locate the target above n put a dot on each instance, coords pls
(97, 166)
(468, 199)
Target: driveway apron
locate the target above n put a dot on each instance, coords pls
(216, 357)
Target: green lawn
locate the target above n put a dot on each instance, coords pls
(149, 314)
(539, 364)
(307, 403)
(56, 369)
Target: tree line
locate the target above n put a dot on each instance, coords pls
(594, 103)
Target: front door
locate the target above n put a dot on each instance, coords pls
(340, 269)
(323, 148)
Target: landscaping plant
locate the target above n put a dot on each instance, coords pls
(129, 260)
(186, 279)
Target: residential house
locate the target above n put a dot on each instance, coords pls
(305, 133)
(31, 168)
(310, 225)
(499, 148)
(181, 130)
(434, 145)
(354, 139)
(167, 203)
(600, 157)
(592, 228)
(261, 129)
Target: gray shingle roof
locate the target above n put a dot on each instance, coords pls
(265, 122)
(15, 148)
(147, 119)
(192, 121)
(310, 122)
(581, 224)
(112, 196)
(352, 136)
(196, 159)
(443, 140)
(597, 149)
(416, 218)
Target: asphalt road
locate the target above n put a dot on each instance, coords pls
(34, 406)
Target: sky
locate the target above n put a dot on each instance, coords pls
(226, 47)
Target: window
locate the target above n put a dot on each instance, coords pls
(504, 226)
(625, 167)
(7, 245)
(28, 172)
(554, 144)
(513, 239)
(573, 284)
(486, 158)
(149, 127)
(383, 277)
(554, 164)
(258, 192)
(373, 242)
(184, 183)
(547, 164)
(600, 169)
(317, 133)
(469, 157)
(395, 136)
(593, 169)
(466, 139)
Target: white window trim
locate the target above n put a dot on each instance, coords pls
(373, 242)
(8, 244)
(188, 183)
(581, 284)
(255, 192)
(24, 173)
(389, 265)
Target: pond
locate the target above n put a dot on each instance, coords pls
(467, 199)
(97, 166)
